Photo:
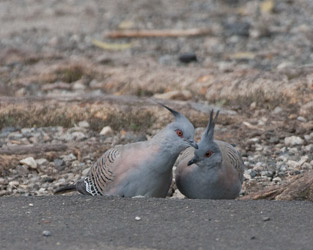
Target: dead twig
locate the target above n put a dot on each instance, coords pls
(158, 33)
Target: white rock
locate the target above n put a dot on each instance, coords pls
(254, 139)
(307, 166)
(2, 181)
(301, 119)
(277, 110)
(69, 157)
(293, 140)
(78, 86)
(247, 176)
(137, 218)
(253, 105)
(292, 164)
(284, 65)
(29, 161)
(277, 179)
(308, 137)
(13, 183)
(41, 161)
(106, 131)
(303, 160)
(78, 136)
(83, 124)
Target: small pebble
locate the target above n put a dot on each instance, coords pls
(137, 218)
(29, 161)
(106, 131)
(293, 140)
(46, 233)
(188, 58)
(264, 218)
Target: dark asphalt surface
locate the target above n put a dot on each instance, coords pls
(80, 222)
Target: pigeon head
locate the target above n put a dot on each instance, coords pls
(180, 132)
(208, 152)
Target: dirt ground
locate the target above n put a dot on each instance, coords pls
(59, 86)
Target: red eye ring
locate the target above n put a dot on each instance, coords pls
(208, 154)
(179, 133)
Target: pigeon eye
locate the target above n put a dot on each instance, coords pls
(179, 133)
(208, 154)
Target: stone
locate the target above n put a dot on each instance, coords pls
(41, 161)
(166, 60)
(301, 119)
(14, 183)
(29, 161)
(293, 140)
(225, 67)
(59, 164)
(252, 173)
(78, 86)
(274, 140)
(284, 65)
(308, 137)
(2, 181)
(292, 164)
(253, 105)
(265, 218)
(277, 179)
(277, 110)
(307, 166)
(106, 131)
(46, 233)
(69, 157)
(78, 136)
(83, 124)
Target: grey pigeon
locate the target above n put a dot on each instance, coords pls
(213, 171)
(141, 168)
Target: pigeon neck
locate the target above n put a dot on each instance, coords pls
(167, 145)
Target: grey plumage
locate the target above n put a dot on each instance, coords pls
(141, 168)
(213, 171)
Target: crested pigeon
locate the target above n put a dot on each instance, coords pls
(213, 171)
(141, 168)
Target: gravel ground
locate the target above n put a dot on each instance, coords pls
(270, 164)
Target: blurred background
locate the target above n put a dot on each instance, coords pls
(77, 77)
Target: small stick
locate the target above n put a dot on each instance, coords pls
(158, 33)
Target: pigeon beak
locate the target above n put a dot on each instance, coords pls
(193, 144)
(192, 161)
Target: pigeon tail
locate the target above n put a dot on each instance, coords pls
(66, 189)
